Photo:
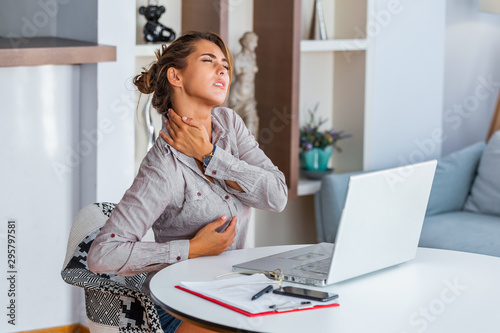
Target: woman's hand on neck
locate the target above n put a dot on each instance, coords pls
(191, 108)
(187, 135)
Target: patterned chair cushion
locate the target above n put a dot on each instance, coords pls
(110, 300)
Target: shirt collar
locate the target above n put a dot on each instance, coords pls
(219, 131)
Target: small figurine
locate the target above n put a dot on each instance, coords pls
(242, 93)
(154, 31)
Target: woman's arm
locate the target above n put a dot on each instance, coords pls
(118, 249)
(251, 177)
(263, 184)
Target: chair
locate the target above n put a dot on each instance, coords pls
(113, 303)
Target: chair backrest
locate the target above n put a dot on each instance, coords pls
(113, 303)
(328, 205)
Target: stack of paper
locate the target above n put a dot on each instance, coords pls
(236, 294)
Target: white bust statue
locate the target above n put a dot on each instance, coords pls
(242, 93)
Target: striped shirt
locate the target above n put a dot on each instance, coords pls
(172, 195)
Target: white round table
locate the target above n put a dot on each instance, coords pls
(439, 291)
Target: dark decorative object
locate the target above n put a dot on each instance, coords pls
(154, 31)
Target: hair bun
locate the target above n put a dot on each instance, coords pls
(146, 81)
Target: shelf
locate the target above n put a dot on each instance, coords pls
(333, 45)
(308, 186)
(146, 50)
(53, 51)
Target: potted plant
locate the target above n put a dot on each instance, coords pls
(316, 147)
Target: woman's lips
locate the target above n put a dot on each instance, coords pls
(220, 83)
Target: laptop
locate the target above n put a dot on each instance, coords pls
(379, 227)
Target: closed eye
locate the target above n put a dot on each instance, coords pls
(210, 60)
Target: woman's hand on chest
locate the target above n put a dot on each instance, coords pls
(209, 242)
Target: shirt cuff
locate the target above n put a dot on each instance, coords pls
(178, 250)
(219, 164)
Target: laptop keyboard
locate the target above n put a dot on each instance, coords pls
(320, 266)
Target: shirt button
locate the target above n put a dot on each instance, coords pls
(226, 197)
(112, 235)
(199, 194)
(178, 258)
(214, 172)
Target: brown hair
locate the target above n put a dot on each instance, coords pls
(154, 79)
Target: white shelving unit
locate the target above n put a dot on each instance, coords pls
(385, 88)
(333, 45)
(308, 186)
(146, 50)
(333, 74)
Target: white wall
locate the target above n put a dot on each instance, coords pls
(116, 101)
(39, 133)
(472, 73)
(40, 166)
(405, 62)
(66, 141)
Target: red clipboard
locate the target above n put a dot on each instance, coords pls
(248, 314)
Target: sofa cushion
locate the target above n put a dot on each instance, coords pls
(452, 181)
(485, 193)
(462, 231)
(329, 203)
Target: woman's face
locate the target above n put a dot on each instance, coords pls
(206, 76)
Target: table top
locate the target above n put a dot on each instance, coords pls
(438, 291)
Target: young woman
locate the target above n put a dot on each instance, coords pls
(196, 185)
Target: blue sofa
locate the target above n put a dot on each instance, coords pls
(463, 212)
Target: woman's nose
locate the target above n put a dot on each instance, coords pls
(222, 70)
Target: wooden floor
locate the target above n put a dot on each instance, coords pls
(62, 329)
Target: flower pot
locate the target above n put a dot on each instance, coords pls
(316, 159)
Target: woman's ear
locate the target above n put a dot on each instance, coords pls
(173, 76)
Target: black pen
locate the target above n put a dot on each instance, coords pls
(262, 292)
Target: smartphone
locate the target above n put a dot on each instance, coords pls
(315, 295)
